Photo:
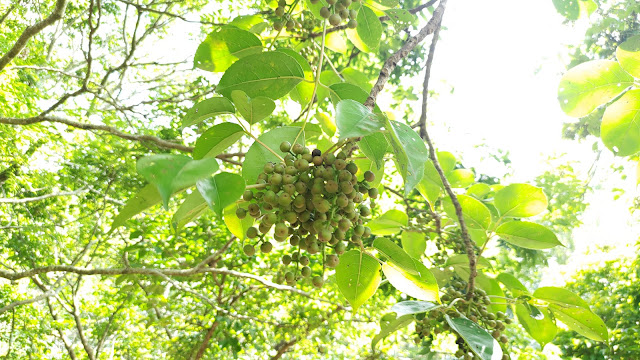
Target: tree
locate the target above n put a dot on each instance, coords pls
(271, 238)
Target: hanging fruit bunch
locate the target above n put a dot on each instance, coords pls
(315, 202)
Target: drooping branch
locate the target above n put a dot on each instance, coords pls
(31, 31)
(413, 11)
(391, 63)
(424, 134)
(42, 197)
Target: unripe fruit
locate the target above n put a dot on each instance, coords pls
(241, 213)
(290, 24)
(369, 176)
(277, 26)
(279, 11)
(340, 248)
(305, 271)
(249, 250)
(286, 259)
(297, 149)
(373, 193)
(252, 232)
(335, 19)
(352, 24)
(304, 260)
(332, 261)
(317, 281)
(285, 146)
(247, 195)
(266, 247)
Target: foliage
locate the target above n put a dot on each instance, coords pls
(108, 273)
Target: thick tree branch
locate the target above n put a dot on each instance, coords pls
(414, 11)
(408, 46)
(31, 31)
(432, 155)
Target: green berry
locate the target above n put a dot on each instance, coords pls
(285, 146)
(249, 250)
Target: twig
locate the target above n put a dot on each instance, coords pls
(205, 342)
(432, 155)
(31, 31)
(408, 46)
(425, 85)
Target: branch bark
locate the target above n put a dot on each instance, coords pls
(31, 31)
(424, 134)
(205, 341)
(391, 63)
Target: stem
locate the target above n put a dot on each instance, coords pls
(317, 81)
(280, 31)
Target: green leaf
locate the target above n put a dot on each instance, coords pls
(258, 155)
(237, 226)
(328, 78)
(192, 206)
(358, 277)
(559, 296)
(389, 223)
(513, 284)
(246, 22)
(422, 287)
(410, 153)
(326, 123)
(144, 199)
(520, 200)
(568, 8)
(461, 178)
(410, 307)
(620, 128)
(395, 254)
(374, 146)
(628, 55)
(221, 190)
(591, 84)
(303, 92)
(207, 109)
(460, 264)
(345, 91)
(479, 190)
(492, 288)
(414, 243)
(217, 139)
(222, 48)
(476, 215)
(336, 41)
(391, 327)
(581, 320)
(366, 36)
(273, 74)
(354, 119)
(401, 18)
(527, 235)
(252, 110)
(541, 330)
(170, 173)
(359, 78)
(479, 340)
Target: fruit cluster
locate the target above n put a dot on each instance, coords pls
(313, 200)
(476, 310)
(338, 11)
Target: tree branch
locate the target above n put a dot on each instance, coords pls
(205, 341)
(42, 197)
(408, 46)
(31, 31)
(432, 155)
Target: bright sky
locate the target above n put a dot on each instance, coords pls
(504, 62)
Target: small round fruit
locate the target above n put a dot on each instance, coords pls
(369, 176)
(252, 232)
(280, 11)
(285, 146)
(277, 26)
(249, 250)
(352, 24)
(325, 12)
(241, 213)
(290, 24)
(340, 248)
(335, 19)
(304, 260)
(353, 14)
(266, 247)
(297, 149)
(504, 339)
(289, 277)
(286, 259)
(332, 261)
(305, 271)
(247, 195)
(373, 193)
(317, 281)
